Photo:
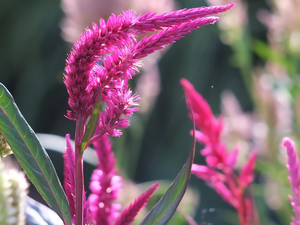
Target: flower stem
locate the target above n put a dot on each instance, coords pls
(79, 188)
(78, 172)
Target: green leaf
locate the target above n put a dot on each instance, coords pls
(31, 155)
(91, 126)
(162, 212)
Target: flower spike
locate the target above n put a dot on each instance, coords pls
(293, 168)
(114, 44)
(219, 172)
(96, 78)
(105, 185)
(128, 214)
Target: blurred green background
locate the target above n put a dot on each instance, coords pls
(156, 145)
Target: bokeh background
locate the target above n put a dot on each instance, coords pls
(245, 66)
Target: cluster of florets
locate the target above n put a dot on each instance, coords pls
(109, 53)
(96, 78)
(293, 166)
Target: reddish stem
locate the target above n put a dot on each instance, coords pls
(238, 193)
(78, 172)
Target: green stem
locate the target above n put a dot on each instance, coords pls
(78, 173)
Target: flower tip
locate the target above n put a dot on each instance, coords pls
(185, 84)
(231, 5)
(183, 81)
(214, 19)
(287, 143)
(154, 186)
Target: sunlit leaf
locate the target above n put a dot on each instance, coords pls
(31, 155)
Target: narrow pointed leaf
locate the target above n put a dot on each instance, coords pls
(91, 126)
(162, 212)
(31, 155)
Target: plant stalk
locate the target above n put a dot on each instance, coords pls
(78, 189)
(78, 172)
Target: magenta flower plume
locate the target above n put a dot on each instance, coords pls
(247, 176)
(97, 70)
(211, 128)
(69, 181)
(128, 214)
(114, 44)
(293, 168)
(105, 185)
(219, 172)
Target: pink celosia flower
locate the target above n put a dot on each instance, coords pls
(214, 150)
(246, 176)
(97, 70)
(219, 173)
(293, 168)
(105, 185)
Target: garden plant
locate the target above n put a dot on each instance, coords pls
(96, 77)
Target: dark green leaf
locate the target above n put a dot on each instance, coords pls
(162, 212)
(31, 155)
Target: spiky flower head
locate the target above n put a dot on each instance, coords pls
(294, 171)
(110, 52)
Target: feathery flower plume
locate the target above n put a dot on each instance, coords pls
(97, 70)
(114, 44)
(5, 149)
(69, 181)
(219, 172)
(214, 151)
(128, 214)
(293, 168)
(105, 185)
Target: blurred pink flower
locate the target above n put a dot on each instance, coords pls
(219, 172)
(97, 71)
(115, 46)
(294, 172)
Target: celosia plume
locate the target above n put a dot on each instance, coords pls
(293, 168)
(114, 44)
(97, 71)
(246, 175)
(219, 172)
(209, 135)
